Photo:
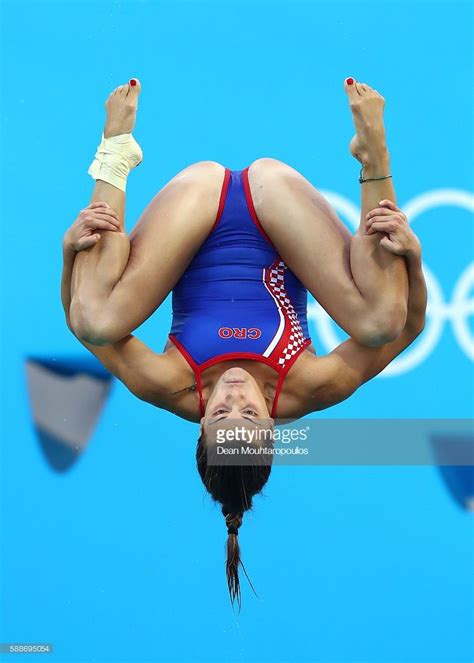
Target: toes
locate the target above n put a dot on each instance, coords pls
(134, 86)
(361, 88)
(350, 87)
(111, 96)
(366, 89)
(115, 92)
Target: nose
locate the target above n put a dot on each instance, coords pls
(234, 395)
(235, 412)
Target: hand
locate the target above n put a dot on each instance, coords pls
(83, 232)
(398, 237)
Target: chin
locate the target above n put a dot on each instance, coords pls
(237, 373)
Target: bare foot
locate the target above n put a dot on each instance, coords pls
(367, 105)
(121, 107)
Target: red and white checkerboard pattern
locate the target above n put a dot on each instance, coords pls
(275, 281)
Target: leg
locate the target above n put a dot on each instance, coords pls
(360, 284)
(119, 282)
(122, 280)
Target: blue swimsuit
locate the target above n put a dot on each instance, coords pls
(237, 298)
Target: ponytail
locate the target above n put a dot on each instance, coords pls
(232, 485)
(233, 522)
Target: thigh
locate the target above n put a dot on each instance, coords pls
(307, 233)
(165, 239)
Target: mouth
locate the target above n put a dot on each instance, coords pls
(233, 381)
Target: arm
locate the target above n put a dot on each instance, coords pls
(130, 360)
(350, 365)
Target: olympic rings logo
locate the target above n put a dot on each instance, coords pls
(439, 311)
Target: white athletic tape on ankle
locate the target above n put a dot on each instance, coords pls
(115, 158)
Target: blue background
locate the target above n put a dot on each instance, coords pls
(122, 558)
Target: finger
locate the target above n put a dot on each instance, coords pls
(382, 219)
(390, 246)
(97, 204)
(90, 220)
(101, 208)
(379, 211)
(109, 210)
(379, 219)
(386, 242)
(103, 224)
(93, 222)
(106, 217)
(389, 203)
(87, 242)
(382, 227)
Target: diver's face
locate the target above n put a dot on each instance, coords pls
(236, 395)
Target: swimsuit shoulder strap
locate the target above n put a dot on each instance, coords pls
(283, 374)
(195, 368)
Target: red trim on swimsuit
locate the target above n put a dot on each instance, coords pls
(199, 368)
(195, 368)
(251, 206)
(222, 199)
(283, 375)
(228, 356)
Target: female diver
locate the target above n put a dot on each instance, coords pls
(239, 250)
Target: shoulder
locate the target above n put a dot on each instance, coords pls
(315, 383)
(166, 381)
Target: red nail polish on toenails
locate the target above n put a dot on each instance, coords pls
(133, 81)
(349, 81)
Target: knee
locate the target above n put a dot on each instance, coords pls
(382, 327)
(267, 167)
(203, 178)
(270, 180)
(202, 171)
(93, 326)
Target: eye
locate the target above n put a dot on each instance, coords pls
(251, 412)
(221, 411)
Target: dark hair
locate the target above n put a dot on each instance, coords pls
(234, 487)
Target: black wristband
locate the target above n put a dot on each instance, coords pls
(371, 179)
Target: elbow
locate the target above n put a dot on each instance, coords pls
(92, 326)
(415, 327)
(92, 334)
